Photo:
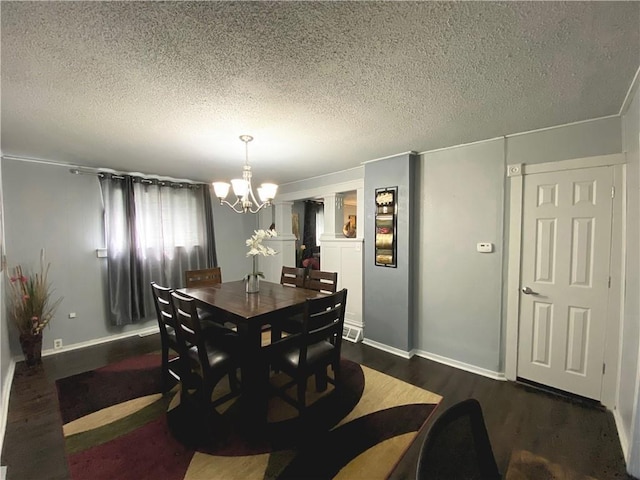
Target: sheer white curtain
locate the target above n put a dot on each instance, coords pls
(171, 233)
(155, 231)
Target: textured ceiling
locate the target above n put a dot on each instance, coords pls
(167, 87)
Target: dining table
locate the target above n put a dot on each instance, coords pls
(250, 312)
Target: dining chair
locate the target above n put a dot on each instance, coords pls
(289, 277)
(293, 277)
(211, 356)
(313, 349)
(202, 278)
(205, 278)
(457, 446)
(171, 367)
(326, 282)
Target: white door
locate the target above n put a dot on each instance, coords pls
(566, 240)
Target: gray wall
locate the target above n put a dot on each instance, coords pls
(388, 295)
(459, 305)
(586, 139)
(464, 200)
(47, 207)
(231, 230)
(461, 199)
(631, 322)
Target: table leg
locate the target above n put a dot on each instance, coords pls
(255, 377)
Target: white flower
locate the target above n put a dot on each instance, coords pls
(255, 243)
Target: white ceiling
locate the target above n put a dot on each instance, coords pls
(167, 87)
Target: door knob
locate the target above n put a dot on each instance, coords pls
(528, 291)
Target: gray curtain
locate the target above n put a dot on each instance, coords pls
(212, 258)
(311, 209)
(155, 231)
(124, 270)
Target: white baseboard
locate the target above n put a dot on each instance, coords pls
(436, 358)
(461, 365)
(387, 348)
(143, 332)
(6, 393)
(622, 435)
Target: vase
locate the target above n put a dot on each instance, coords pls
(252, 283)
(31, 348)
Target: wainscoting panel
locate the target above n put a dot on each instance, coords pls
(345, 257)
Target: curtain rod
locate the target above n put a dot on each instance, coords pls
(121, 175)
(150, 181)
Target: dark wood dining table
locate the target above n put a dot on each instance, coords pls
(250, 312)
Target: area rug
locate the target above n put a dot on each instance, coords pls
(117, 424)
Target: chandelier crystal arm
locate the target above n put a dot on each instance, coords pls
(245, 198)
(234, 206)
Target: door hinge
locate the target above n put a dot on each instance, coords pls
(604, 367)
(609, 282)
(613, 192)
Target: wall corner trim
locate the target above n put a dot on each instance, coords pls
(626, 103)
(624, 442)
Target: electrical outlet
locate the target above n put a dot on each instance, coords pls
(72, 315)
(57, 343)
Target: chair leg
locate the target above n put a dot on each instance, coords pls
(321, 380)
(276, 334)
(302, 391)
(205, 409)
(165, 369)
(184, 393)
(234, 384)
(335, 366)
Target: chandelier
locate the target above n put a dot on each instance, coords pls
(245, 199)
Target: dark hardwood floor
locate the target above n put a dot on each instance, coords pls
(575, 438)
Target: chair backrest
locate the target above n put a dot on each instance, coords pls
(164, 309)
(202, 278)
(326, 282)
(457, 446)
(323, 320)
(292, 277)
(188, 327)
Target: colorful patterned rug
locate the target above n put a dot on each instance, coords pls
(117, 424)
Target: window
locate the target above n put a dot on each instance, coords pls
(154, 232)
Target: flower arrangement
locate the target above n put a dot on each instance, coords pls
(30, 306)
(256, 248)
